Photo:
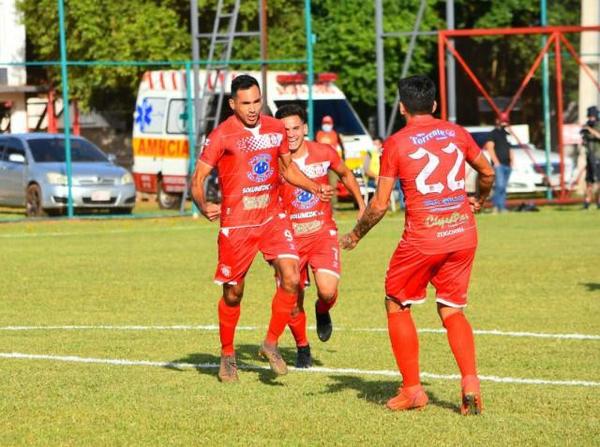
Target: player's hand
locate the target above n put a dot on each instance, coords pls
(211, 211)
(325, 193)
(348, 241)
(475, 204)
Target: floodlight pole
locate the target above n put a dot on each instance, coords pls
(451, 65)
(65, 94)
(264, 50)
(546, 99)
(380, 62)
(309, 67)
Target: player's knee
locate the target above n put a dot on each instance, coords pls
(232, 296)
(327, 294)
(290, 281)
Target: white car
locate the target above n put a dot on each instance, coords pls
(528, 170)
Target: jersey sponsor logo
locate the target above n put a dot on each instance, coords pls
(307, 227)
(253, 189)
(304, 200)
(437, 134)
(260, 142)
(260, 168)
(450, 232)
(255, 202)
(304, 215)
(449, 221)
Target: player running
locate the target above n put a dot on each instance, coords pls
(248, 150)
(439, 240)
(313, 226)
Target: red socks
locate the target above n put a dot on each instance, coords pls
(281, 313)
(462, 343)
(228, 319)
(297, 325)
(405, 344)
(324, 306)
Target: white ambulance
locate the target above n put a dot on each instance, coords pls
(160, 138)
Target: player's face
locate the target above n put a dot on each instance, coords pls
(246, 104)
(295, 130)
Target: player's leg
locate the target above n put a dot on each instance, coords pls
(278, 247)
(297, 326)
(282, 306)
(327, 292)
(452, 282)
(229, 315)
(237, 249)
(406, 281)
(297, 321)
(325, 262)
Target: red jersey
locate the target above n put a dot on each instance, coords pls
(307, 212)
(247, 161)
(428, 156)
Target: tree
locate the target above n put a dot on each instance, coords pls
(108, 30)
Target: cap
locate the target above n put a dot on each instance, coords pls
(327, 120)
(592, 111)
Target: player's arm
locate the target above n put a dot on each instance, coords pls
(490, 147)
(210, 210)
(375, 211)
(292, 174)
(593, 131)
(349, 181)
(485, 181)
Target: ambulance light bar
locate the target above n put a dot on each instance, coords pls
(300, 78)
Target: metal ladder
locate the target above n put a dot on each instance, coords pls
(221, 44)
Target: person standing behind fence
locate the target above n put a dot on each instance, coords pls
(591, 140)
(500, 152)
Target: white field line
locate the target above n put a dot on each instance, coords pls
(107, 232)
(314, 370)
(212, 327)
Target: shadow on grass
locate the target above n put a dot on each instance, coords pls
(378, 392)
(246, 356)
(591, 286)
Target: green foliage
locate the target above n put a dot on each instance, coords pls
(107, 30)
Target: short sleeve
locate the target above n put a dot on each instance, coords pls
(334, 159)
(472, 149)
(212, 150)
(491, 136)
(389, 160)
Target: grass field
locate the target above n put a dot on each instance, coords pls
(107, 337)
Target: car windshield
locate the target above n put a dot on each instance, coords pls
(343, 116)
(52, 150)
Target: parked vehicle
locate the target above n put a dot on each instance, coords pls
(529, 164)
(33, 174)
(160, 140)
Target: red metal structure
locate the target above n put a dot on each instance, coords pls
(556, 36)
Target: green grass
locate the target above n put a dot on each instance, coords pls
(534, 272)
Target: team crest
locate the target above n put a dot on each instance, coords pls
(260, 168)
(304, 200)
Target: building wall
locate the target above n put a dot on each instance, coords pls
(12, 42)
(590, 54)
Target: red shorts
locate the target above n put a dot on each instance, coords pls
(320, 252)
(239, 246)
(410, 271)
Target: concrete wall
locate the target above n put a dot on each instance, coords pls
(590, 52)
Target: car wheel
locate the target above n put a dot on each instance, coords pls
(33, 201)
(166, 200)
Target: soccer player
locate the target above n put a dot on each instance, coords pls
(439, 240)
(249, 151)
(313, 226)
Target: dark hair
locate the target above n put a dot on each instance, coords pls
(291, 110)
(243, 82)
(417, 93)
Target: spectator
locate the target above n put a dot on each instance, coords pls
(498, 147)
(591, 140)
